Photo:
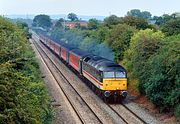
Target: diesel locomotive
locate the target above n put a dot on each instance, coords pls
(108, 78)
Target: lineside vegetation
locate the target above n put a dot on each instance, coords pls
(23, 97)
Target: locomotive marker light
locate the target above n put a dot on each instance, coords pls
(107, 93)
(124, 94)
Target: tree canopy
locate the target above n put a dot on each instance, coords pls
(143, 45)
(119, 39)
(59, 23)
(93, 24)
(163, 83)
(72, 17)
(137, 22)
(171, 27)
(43, 21)
(138, 13)
(111, 20)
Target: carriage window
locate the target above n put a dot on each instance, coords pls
(108, 74)
(120, 74)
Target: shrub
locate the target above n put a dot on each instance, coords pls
(23, 97)
(143, 45)
(171, 27)
(119, 38)
(163, 84)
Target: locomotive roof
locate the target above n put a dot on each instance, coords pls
(103, 64)
(109, 66)
(80, 53)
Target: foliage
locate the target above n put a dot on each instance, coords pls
(22, 25)
(163, 84)
(154, 61)
(171, 27)
(138, 13)
(59, 23)
(43, 21)
(119, 38)
(72, 17)
(25, 27)
(144, 44)
(102, 34)
(111, 20)
(137, 22)
(93, 24)
(160, 20)
(23, 98)
(16, 20)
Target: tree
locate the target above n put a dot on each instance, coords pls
(119, 38)
(163, 83)
(138, 13)
(93, 24)
(111, 20)
(23, 98)
(146, 15)
(43, 21)
(134, 12)
(143, 45)
(139, 23)
(24, 26)
(72, 17)
(160, 20)
(171, 27)
(175, 15)
(102, 34)
(59, 23)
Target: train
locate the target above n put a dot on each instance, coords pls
(105, 76)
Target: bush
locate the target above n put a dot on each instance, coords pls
(23, 97)
(171, 27)
(143, 45)
(119, 38)
(177, 111)
(163, 84)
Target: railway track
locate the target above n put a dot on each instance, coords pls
(112, 107)
(134, 114)
(129, 114)
(80, 116)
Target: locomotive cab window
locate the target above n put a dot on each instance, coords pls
(108, 75)
(117, 74)
(120, 74)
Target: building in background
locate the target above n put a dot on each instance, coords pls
(74, 24)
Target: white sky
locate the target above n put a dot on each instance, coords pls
(87, 7)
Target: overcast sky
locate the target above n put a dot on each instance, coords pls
(87, 7)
